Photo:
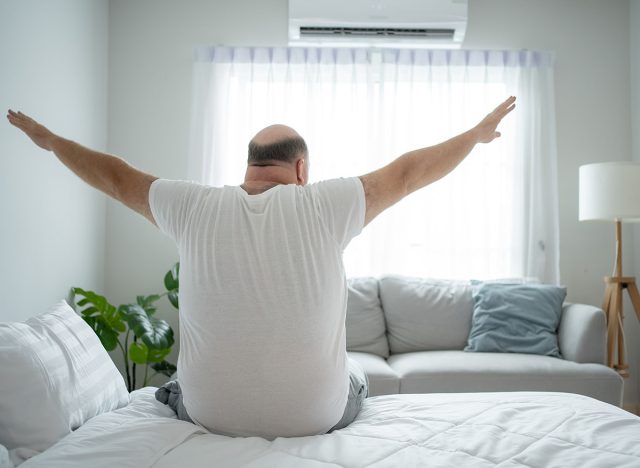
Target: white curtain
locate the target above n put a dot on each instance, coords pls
(495, 216)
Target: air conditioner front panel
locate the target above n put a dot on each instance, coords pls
(377, 21)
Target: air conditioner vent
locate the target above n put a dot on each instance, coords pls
(391, 33)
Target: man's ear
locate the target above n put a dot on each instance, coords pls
(301, 173)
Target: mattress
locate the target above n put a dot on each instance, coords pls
(518, 429)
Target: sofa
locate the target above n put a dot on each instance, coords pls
(410, 334)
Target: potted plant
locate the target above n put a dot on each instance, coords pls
(143, 338)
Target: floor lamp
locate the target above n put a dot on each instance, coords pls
(611, 192)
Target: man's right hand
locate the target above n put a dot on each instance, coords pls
(40, 134)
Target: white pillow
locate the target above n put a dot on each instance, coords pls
(55, 375)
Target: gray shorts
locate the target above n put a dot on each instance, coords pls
(171, 395)
(358, 391)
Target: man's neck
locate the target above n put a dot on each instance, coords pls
(259, 179)
(256, 187)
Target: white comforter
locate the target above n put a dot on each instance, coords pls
(434, 430)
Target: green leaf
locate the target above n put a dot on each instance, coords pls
(91, 322)
(90, 311)
(173, 298)
(172, 283)
(171, 279)
(164, 367)
(155, 333)
(141, 354)
(158, 355)
(108, 338)
(106, 319)
(138, 352)
(147, 303)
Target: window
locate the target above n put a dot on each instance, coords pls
(495, 216)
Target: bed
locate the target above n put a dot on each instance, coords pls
(436, 430)
(63, 403)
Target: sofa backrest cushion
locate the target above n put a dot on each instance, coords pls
(426, 314)
(366, 331)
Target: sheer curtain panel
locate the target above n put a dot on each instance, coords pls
(495, 216)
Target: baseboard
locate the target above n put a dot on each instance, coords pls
(632, 408)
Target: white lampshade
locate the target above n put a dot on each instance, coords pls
(610, 191)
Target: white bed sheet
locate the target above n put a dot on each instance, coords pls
(522, 429)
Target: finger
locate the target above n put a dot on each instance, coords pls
(13, 114)
(505, 110)
(506, 103)
(25, 117)
(15, 121)
(16, 115)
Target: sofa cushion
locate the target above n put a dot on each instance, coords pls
(426, 314)
(366, 331)
(516, 318)
(382, 379)
(457, 371)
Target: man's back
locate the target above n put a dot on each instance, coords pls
(262, 301)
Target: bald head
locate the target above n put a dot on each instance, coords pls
(274, 134)
(276, 143)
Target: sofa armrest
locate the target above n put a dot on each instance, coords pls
(582, 333)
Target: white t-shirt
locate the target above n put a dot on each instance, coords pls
(263, 298)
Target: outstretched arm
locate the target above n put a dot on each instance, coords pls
(105, 172)
(416, 169)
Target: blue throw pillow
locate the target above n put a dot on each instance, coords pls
(516, 318)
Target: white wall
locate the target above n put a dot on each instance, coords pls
(151, 46)
(53, 58)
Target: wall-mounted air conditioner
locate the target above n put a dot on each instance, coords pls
(378, 23)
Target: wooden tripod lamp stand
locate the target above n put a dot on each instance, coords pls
(611, 192)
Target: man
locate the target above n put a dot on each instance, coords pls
(262, 286)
